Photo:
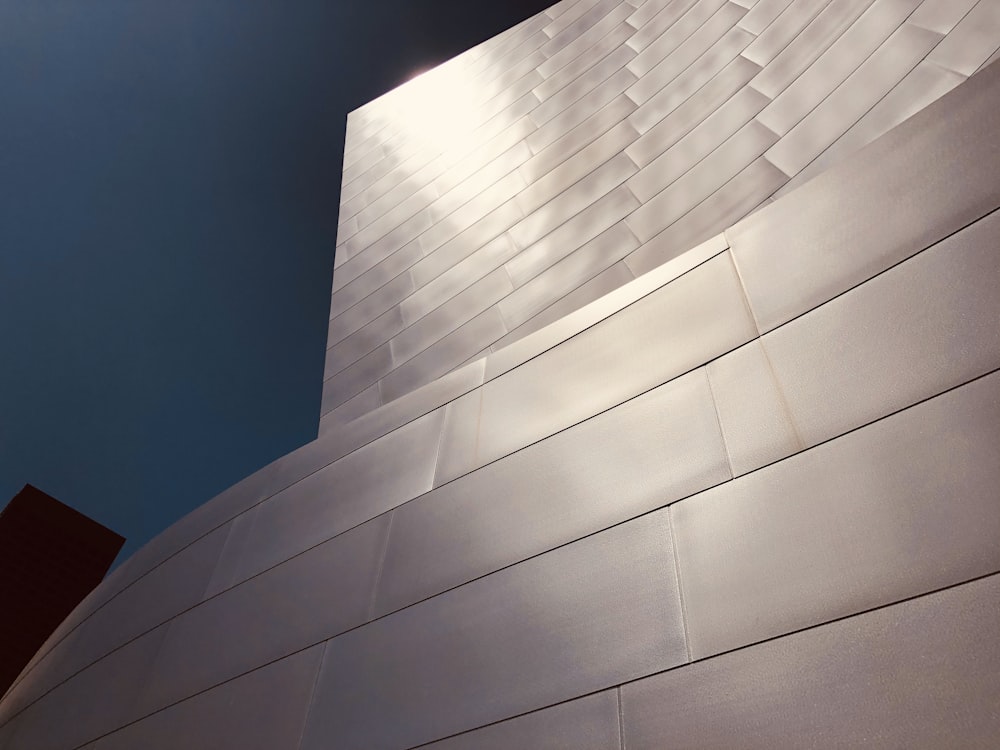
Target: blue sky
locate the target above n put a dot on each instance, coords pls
(169, 183)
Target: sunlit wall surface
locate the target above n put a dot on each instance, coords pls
(745, 498)
(538, 172)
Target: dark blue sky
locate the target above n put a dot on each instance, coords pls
(169, 183)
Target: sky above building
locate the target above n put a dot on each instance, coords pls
(169, 190)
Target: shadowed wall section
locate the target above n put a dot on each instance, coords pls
(746, 495)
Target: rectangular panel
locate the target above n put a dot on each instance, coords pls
(924, 673)
(358, 264)
(711, 133)
(299, 603)
(763, 14)
(445, 354)
(586, 132)
(691, 79)
(501, 646)
(860, 91)
(683, 325)
(263, 710)
(826, 29)
(369, 308)
(457, 453)
(752, 410)
(455, 279)
(707, 176)
(585, 51)
(569, 35)
(96, 701)
(480, 179)
(899, 508)
(576, 232)
(589, 723)
(237, 536)
(354, 292)
(653, 19)
(785, 28)
(573, 200)
(467, 243)
(351, 381)
(842, 227)
(574, 115)
(673, 36)
(727, 205)
(972, 41)
(599, 286)
(576, 167)
(345, 494)
(657, 448)
(450, 316)
(685, 53)
(890, 351)
(566, 275)
(582, 85)
(366, 339)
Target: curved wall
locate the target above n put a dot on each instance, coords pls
(745, 499)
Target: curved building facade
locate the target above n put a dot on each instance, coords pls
(661, 409)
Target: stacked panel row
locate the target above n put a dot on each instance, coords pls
(722, 506)
(591, 144)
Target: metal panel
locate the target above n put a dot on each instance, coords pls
(457, 453)
(660, 134)
(734, 200)
(366, 339)
(299, 603)
(972, 41)
(836, 231)
(752, 410)
(672, 37)
(500, 646)
(96, 701)
(442, 288)
(687, 52)
(762, 14)
(653, 19)
(443, 355)
(351, 381)
(688, 322)
(589, 723)
(891, 352)
(465, 217)
(701, 181)
(582, 85)
(785, 28)
(373, 278)
(576, 114)
(803, 50)
(450, 316)
(263, 710)
(565, 146)
(237, 535)
(921, 674)
(584, 51)
(692, 78)
(576, 167)
(657, 448)
(576, 232)
(480, 179)
(345, 494)
(715, 130)
(380, 250)
(573, 200)
(572, 33)
(902, 507)
(860, 91)
(369, 308)
(921, 86)
(567, 274)
(602, 284)
(467, 243)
